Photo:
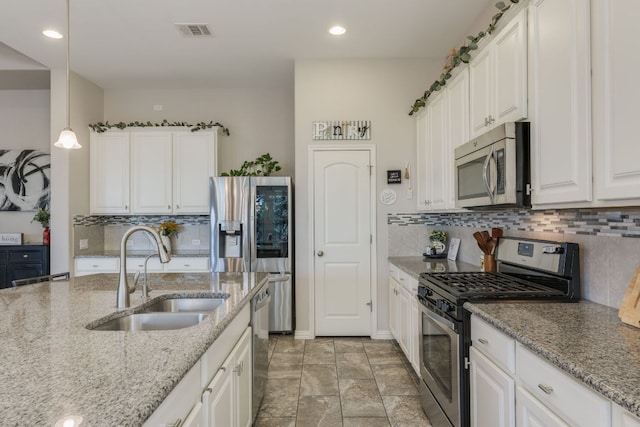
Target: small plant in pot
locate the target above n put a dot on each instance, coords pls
(438, 239)
(43, 216)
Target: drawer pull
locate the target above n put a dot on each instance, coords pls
(483, 341)
(25, 256)
(546, 388)
(95, 266)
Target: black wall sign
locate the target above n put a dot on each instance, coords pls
(394, 177)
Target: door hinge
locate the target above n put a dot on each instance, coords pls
(370, 304)
(528, 189)
(370, 167)
(370, 239)
(466, 363)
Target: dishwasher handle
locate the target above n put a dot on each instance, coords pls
(280, 278)
(261, 299)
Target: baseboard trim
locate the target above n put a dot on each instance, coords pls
(382, 335)
(303, 335)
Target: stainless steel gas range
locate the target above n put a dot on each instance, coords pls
(528, 269)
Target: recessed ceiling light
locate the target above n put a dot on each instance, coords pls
(337, 30)
(52, 34)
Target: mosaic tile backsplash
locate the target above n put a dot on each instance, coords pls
(129, 220)
(610, 251)
(618, 223)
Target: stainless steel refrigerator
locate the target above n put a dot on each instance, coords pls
(252, 231)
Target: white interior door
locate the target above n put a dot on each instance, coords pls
(342, 237)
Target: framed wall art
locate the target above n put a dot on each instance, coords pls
(24, 180)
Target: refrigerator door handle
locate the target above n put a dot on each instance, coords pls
(280, 278)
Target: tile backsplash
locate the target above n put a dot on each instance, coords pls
(104, 233)
(609, 240)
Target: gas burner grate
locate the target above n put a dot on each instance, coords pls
(485, 284)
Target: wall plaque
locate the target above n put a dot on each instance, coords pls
(342, 129)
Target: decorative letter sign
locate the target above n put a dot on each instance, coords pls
(345, 129)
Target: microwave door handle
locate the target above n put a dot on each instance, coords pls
(485, 178)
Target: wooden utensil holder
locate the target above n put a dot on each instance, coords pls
(629, 312)
(489, 263)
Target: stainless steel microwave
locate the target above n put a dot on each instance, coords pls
(493, 170)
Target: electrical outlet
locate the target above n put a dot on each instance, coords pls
(409, 194)
(84, 244)
(195, 242)
(158, 107)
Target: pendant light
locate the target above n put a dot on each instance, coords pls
(67, 138)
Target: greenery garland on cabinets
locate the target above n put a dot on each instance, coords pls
(103, 127)
(462, 55)
(262, 166)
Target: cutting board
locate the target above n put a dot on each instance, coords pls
(630, 308)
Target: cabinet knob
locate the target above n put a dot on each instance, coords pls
(25, 256)
(169, 207)
(177, 206)
(483, 341)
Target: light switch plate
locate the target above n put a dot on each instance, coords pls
(195, 242)
(84, 244)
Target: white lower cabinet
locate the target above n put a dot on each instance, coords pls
(492, 393)
(623, 418)
(404, 314)
(571, 401)
(181, 402)
(89, 265)
(510, 385)
(491, 376)
(223, 401)
(532, 413)
(227, 399)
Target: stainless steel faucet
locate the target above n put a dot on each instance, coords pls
(123, 286)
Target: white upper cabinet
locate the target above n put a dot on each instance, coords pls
(457, 93)
(498, 78)
(151, 172)
(560, 110)
(194, 161)
(434, 169)
(109, 177)
(615, 99)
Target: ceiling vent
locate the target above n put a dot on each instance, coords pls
(195, 30)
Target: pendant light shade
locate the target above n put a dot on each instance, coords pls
(67, 138)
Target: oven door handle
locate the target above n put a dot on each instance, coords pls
(485, 177)
(439, 319)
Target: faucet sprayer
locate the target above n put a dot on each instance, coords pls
(123, 286)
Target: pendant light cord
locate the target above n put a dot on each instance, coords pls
(68, 72)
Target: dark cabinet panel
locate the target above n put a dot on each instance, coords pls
(22, 262)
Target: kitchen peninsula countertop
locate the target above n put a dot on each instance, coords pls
(414, 265)
(586, 340)
(52, 366)
(140, 253)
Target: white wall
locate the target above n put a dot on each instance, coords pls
(260, 119)
(24, 120)
(70, 168)
(383, 92)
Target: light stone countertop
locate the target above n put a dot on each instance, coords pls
(140, 253)
(52, 366)
(414, 265)
(586, 340)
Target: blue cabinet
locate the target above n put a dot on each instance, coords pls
(22, 262)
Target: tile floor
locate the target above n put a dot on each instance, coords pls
(335, 382)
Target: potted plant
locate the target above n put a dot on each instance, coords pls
(167, 229)
(438, 239)
(43, 216)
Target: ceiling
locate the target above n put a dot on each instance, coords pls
(135, 43)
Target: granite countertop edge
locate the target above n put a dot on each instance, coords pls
(591, 379)
(140, 254)
(414, 265)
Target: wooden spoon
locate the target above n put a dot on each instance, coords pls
(481, 242)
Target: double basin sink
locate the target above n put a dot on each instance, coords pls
(165, 314)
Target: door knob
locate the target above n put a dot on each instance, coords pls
(320, 253)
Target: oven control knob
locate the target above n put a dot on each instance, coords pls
(444, 305)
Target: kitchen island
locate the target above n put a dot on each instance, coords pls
(53, 367)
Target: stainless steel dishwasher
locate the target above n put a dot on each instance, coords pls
(260, 326)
